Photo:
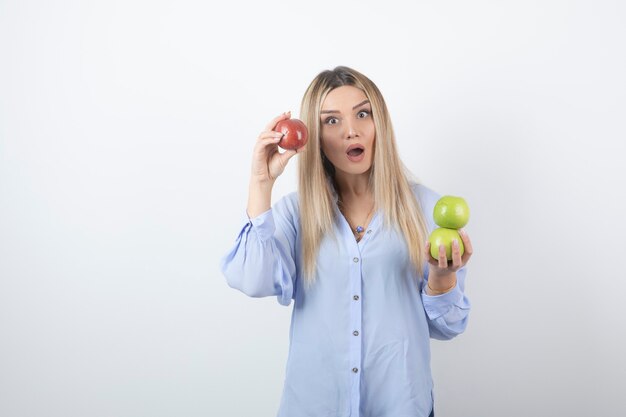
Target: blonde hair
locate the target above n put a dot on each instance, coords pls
(389, 178)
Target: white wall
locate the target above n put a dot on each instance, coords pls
(126, 130)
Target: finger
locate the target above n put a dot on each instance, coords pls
(456, 254)
(264, 143)
(429, 257)
(443, 259)
(271, 125)
(269, 134)
(467, 243)
(263, 147)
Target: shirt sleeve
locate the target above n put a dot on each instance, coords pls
(447, 313)
(261, 263)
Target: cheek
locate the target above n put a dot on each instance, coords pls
(329, 144)
(370, 129)
(326, 148)
(371, 136)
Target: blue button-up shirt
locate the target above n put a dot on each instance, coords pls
(359, 337)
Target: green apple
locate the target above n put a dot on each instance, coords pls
(443, 236)
(451, 212)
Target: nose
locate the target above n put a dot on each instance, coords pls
(351, 131)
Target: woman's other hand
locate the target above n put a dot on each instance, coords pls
(442, 273)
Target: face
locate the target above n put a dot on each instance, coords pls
(348, 132)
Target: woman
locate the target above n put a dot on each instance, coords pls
(350, 248)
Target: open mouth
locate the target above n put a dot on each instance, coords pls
(355, 150)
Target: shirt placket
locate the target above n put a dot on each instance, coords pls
(355, 329)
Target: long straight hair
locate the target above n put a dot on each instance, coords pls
(389, 178)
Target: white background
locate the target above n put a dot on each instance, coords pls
(126, 131)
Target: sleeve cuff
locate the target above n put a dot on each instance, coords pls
(263, 225)
(438, 305)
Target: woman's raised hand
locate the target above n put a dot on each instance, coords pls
(267, 162)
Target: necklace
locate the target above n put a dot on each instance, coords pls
(358, 230)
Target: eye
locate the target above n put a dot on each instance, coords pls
(331, 121)
(363, 114)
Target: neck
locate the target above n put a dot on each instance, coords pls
(351, 187)
(356, 201)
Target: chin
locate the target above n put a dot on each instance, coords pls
(356, 170)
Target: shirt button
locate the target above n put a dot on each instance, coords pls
(355, 370)
(356, 298)
(356, 332)
(356, 260)
(369, 231)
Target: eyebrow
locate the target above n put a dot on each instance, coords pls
(353, 108)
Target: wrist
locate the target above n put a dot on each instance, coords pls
(261, 183)
(438, 291)
(438, 284)
(259, 197)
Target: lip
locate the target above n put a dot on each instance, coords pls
(358, 158)
(355, 146)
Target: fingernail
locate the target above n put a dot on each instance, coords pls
(455, 243)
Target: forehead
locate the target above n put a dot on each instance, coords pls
(343, 97)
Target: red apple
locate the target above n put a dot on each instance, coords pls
(295, 133)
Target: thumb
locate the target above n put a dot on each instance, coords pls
(287, 155)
